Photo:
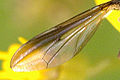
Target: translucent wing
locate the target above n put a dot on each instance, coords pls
(68, 47)
(60, 43)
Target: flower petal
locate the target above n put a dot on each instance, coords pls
(22, 40)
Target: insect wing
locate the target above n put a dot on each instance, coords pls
(69, 46)
(59, 44)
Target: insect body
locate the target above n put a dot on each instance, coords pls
(62, 42)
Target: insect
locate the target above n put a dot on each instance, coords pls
(62, 42)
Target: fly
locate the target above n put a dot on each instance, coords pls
(62, 42)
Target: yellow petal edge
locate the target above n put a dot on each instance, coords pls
(114, 17)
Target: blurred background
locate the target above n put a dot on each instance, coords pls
(27, 18)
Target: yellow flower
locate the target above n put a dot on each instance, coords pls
(114, 17)
(49, 74)
(7, 73)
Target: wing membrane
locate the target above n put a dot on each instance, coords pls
(60, 43)
(74, 42)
